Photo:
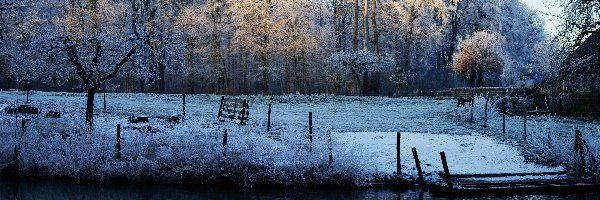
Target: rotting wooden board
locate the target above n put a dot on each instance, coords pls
(508, 188)
(467, 185)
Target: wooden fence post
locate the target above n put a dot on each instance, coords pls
(330, 147)
(487, 99)
(525, 126)
(398, 160)
(243, 112)
(579, 149)
(225, 138)
(549, 139)
(221, 107)
(418, 165)
(225, 143)
(503, 117)
(269, 119)
(23, 127)
(446, 170)
(310, 131)
(118, 145)
(104, 96)
(472, 105)
(183, 117)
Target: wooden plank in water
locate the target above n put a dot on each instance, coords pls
(503, 174)
(514, 188)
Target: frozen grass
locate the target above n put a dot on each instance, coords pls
(549, 139)
(182, 153)
(192, 151)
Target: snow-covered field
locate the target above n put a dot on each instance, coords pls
(363, 133)
(465, 153)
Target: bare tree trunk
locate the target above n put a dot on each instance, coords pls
(355, 24)
(190, 64)
(377, 79)
(366, 25)
(162, 67)
(375, 29)
(265, 57)
(336, 24)
(89, 109)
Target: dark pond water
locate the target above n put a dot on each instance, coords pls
(29, 188)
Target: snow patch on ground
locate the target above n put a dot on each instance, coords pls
(465, 153)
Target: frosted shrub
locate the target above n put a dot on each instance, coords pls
(188, 152)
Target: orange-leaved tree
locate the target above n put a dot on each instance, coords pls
(478, 57)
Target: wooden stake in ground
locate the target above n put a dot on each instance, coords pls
(269, 119)
(503, 117)
(225, 143)
(485, 112)
(446, 170)
(183, 117)
(23, 127)
(221, 107)
(118, 145)
(579, 149)
(330, 148)
(104, 97)
(525, 126)
(398, 161)
(310, 131)
(244, 106)
(418, 165)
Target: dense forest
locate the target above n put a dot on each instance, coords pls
(350, 47)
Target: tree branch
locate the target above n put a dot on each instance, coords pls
(118, 66)
(74, 59)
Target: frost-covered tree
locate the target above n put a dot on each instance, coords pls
(271, 46)
(524, 37)
(416, 26)
(581, 18)
(95, 39)
(354, 65)
(478, 57)
(252, 38)
(300, 39)
(153, 19)
(21, 33)
(218, 29)
(580, 34)
(189, 23)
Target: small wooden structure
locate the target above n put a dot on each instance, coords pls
(53, 114)
(25, 108)
(469, 185)
(234, 109)
(138, 119)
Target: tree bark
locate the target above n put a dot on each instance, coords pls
(89, 108)
(366, 25)
(336, 24)
(355, 25)
(375, 29)
(190, 65)
(480, 82)
(265, 55)
(472, 77)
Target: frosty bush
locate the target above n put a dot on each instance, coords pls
(189, 152)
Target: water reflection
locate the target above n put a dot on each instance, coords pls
(29, 188)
